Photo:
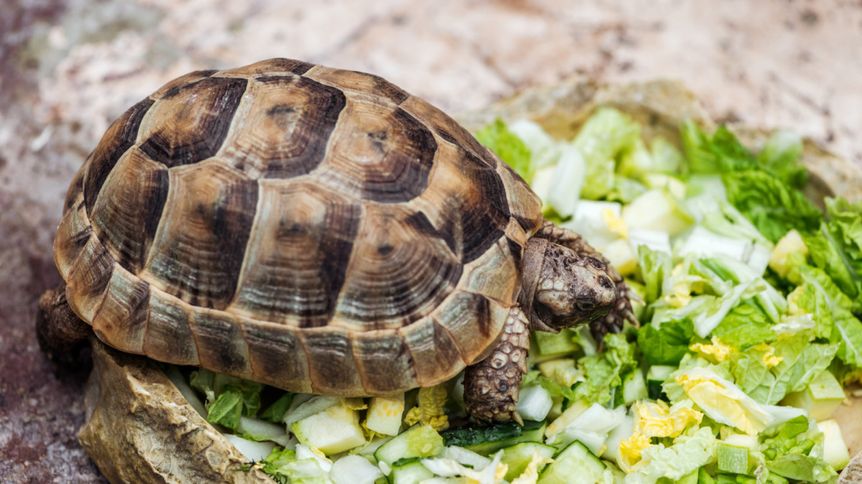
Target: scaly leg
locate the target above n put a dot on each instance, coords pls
(491, 386)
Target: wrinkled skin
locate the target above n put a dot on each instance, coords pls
(565, 283)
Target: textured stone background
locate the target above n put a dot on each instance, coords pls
(68, 68)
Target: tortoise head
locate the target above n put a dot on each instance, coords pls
(572, 287)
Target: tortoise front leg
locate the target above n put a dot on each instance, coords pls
(61, 334)
(491, 386)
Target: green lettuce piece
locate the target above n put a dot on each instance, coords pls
(801, 361)
(837, 246)
(719, 153)
(654, 266)
(752, 375)
(771, 205)
(276, 410)
(790, 451)
(508, 146)
(227, 397)
(625, 190)
(285, 467)
(606, 135)
(831, 310)
(665, 344)
(781, 156)
(226, 409)
(602, 371)
(744, 326)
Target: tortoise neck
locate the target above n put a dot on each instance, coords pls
(531, 272)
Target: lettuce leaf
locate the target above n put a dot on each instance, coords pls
(605, 136)
(654, 267)
(744, 326)
(602, 371)
(719, 153)
(509, 147)
(801, 361)
(837, 246)
(780, 156)
(771, 205)
(665, 344)
(788, 451)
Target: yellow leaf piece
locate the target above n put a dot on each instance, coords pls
(769, 358)
(715, 351)
(723, 401)
(657, 419)
(615, 223)
(631, 450)
(430, 408)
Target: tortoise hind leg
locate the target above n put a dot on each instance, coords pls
(491, 386)
(61, 334)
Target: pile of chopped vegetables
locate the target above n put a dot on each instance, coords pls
(748, 297)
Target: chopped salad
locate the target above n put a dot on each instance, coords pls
(748, 297)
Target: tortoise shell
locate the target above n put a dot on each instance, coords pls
(315, 229)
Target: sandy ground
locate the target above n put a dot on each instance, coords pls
(68, 68)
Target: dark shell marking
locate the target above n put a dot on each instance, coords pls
(311, 228)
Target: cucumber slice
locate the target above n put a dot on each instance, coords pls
(732, 459)
(409, 471)
(331, 431)
(634, 387)
(555, 344)
(487, 440)
(418, 441)
(519, 456)
(574, 465)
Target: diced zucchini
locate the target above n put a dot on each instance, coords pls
(418, 441)
(690, 478)
(409, 471)
(731, 458)
(384, 414)
(656, 375)
(656, 210)
(634, 387)
(742, 440)
(574, 465)
(555, 344)
(487, 440)
(534, 403)
(518, 456)
(353, 469)
(835, 451)
(331, 431)
(820, 398)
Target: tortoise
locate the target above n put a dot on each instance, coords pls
(319, 230)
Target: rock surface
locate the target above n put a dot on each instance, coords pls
(67, 68)
(141, 429)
